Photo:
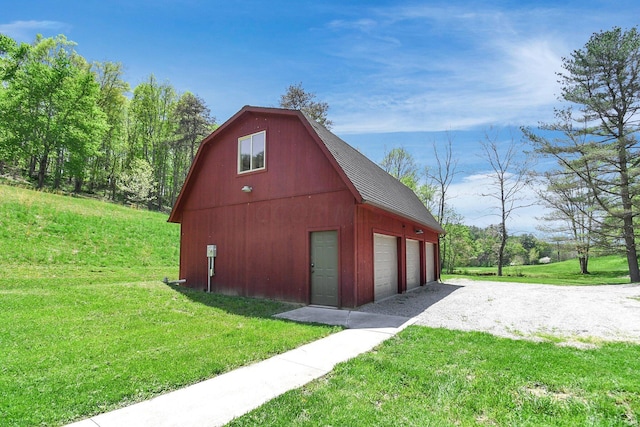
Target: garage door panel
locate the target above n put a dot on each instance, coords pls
(385, 262)
(430, 261)
(413, 264)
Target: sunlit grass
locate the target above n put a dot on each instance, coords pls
(437, 377)
(607, 270)
(48, 229)
(86, 325)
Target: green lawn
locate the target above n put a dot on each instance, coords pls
(437, 377)
(86, 324)
(607, 270)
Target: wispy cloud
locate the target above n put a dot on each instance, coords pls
(359, 24)
(25, 31)
(437, 68)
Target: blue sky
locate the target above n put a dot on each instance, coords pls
(395, 73)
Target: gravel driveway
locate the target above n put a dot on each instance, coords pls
(518, 310)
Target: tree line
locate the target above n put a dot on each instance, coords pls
(67, 124)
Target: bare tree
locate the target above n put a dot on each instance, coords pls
(442, 176)
(573, 211)
(510, 174)
(439, 179)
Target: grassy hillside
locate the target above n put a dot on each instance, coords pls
(609, 270)
(49, 230)
(86, 325)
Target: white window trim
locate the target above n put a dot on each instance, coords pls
(250, 136)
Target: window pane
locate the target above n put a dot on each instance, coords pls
(258, 151)
(245, 154)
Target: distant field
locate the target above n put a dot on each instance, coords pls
(86, 325)
(608, 270)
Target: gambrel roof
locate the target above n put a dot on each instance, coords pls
(367, 181)
(373, 185)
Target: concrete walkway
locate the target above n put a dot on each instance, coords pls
(217, 401)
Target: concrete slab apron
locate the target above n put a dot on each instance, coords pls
(347, 318)
(217, 401)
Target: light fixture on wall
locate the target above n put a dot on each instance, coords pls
(247, 189)
(419, 231)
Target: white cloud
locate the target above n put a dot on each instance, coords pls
(25, 31)
(437, 68)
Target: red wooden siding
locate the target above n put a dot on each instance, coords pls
(295, 166)
(371, 220)
(263, 248)
(263, 236)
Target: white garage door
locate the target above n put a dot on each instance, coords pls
(385, 266)
(413, 264)
(429, 255)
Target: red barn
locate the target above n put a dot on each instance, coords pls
(297, 214)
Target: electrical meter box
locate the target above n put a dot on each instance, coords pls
(212, 251)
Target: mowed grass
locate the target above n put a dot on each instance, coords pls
(86, 325)
(437, 377)
(606, 270)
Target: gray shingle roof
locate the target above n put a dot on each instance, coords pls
(375, 186)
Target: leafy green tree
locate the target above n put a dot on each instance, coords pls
(427, 195)
(194, 122)
(487, 242)
(534, 256)
(106, 165)
(544, 248)
(528, 241)
(515, 253)
(456, 246)
(49, 108)
(64, 121)
(152, 131)
(12, 55)
(599, 143)
(296, 98)
(400, 164)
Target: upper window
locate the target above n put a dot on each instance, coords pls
(251, 152)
